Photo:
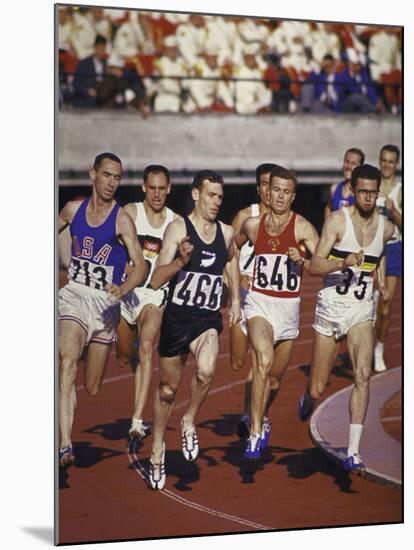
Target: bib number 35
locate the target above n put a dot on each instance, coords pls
(362, 284)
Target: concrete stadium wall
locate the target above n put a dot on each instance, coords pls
(221, 142)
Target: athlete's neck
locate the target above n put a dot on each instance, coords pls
(263, 209)
(154, 216)
(277, 222)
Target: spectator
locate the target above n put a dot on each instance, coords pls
(384, 53)
(191, 38)
(356, 90)
(324, 41)
(278, 83)
(251, 96)
(320, 93)
(171, 64)
(100, 22)
(89, 73)
(82, 35)
(203, 91)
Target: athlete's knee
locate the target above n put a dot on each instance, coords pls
(124, 361)
(167, 393)
(384, 309)
(362, 376)
(205, 376)
(316, 388)
(264, 361)
(68, 368)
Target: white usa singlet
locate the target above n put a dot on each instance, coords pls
(246, 255)
(354, 283)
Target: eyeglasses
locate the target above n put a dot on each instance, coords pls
(367, 194)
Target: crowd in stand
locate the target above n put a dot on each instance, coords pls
(166, 62)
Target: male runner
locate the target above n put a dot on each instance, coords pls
(390, 204)
(280, 240)
(239, 341)
(195, 252)
(347, 255)
(341, 193)
(141, 309)
(102, 236)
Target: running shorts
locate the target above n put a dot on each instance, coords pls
(281, 313)
(179, 329)
(336, 317)
(393, 259)
(134, 302)
(94, 310)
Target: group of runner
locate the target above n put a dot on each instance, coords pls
(142, 270)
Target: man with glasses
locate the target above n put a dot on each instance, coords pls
(347, 256)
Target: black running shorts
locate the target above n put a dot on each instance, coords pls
(179, 329)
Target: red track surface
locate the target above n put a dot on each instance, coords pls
(104, 498)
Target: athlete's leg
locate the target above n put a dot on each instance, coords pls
(324, 352)
(205, 350)
(149, 323)
(95, 364)
(261, 337)
(281, 357)
(72, 338)
(361, 346)
(382, 322)
(171, 371)
(239, 344)
(126, 355)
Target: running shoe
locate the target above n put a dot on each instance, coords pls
(156, 474)
(139, 428)
(306, 406)
(190, 443)
(264, 436)
(380, 365)
(253, 448)
(243, 426)
(66, 457)
(354, 464)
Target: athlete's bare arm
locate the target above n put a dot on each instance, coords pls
(131, 210)
(395, 214)
(67, 214)
(248, 231)
(328, 207)
(239, 218)
(175, 239)
(233, 274)
(307, 235)
(332, 231)
(126, 231)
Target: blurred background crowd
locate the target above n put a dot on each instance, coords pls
(167, 62)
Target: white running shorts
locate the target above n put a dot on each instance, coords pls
(336, 317)
(134, 302)
(281, 313)
(92, 309)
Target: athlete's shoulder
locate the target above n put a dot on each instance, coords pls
(131, 208)
(241, 215)
(70, 209)
(334, 187)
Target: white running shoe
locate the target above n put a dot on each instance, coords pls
(190, 443)
(380, 365)
(156, 474)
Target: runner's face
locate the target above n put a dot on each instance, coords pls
(208, 199)
(351, 160)
(388, 164)
(156, 190)
(366, 192)
(263, 189)
(106, 179)
(282, 194)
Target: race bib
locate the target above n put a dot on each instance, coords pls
(276, 273)
(200, 290)
(90, 274)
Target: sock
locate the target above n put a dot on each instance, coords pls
(355, 432)
(379, 348)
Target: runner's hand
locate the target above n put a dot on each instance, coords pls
(294, 256)
(185, 248)
(234, 314)
(385, 294)
(114, 292)
(355, 258)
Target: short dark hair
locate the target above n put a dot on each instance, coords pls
(356, 151)
(391, 149)
(328, 57)
(212, 177)
(264, 168)
(100, 40)
(284, 173)
(102, 156)
(156, 169)
(365, 172)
